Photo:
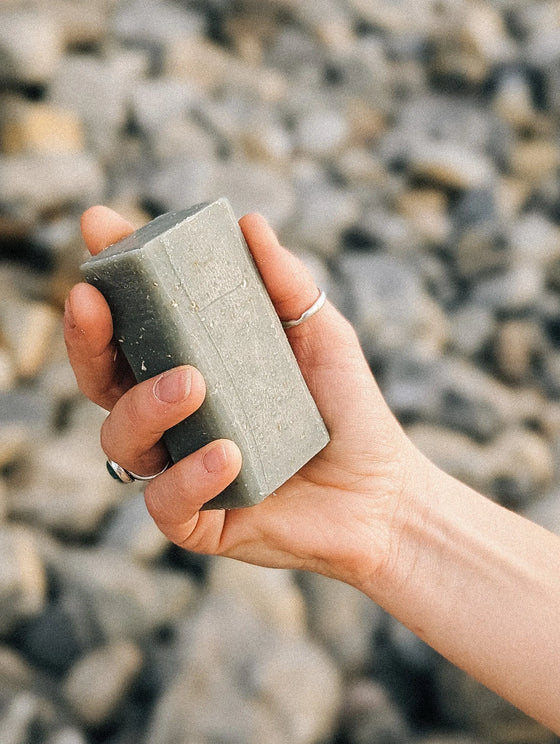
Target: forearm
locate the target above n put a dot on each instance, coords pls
(481, 585)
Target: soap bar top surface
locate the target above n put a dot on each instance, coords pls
(184, 290)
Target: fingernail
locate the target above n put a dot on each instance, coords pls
(173, 386)
(215, 459)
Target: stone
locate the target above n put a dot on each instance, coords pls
(262, 684)
(108, 82)
(156, 102)
(471, 327)
(99, 682)
(455, 453)
(344, 620)
(40, 127)
(30, 45)
(30, 328)
(23, 583)
(535, 160)
(426, 210)
(523, 467)
(369, 716)
(156, 24)
(67, 735)
(272, 595)
(58, 495)
(34, 183)
(132, 531)
(126, 600)
(451, 166)
(519, 344)
(322, 132)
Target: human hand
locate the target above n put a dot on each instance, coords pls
(330, 515)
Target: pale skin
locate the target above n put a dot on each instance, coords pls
(477, 582)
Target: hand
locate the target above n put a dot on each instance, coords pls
(334, 511)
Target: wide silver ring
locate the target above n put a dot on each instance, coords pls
(119, 473)
(315, 307)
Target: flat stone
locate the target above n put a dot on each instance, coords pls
(98, 683)
(30, 45)
(40, 127)
(451, 165)
(33, 183)
(23, 580)
(126, 600)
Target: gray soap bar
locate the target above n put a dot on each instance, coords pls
(184, 290)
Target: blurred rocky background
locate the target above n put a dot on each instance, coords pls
(409, 150)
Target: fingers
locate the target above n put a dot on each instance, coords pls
(101, 227)
(102, 373)
(290, 285)
(175, 498)
(132, 432)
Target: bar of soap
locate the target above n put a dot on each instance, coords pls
(184, 289)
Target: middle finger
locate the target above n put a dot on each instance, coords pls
(131, 433)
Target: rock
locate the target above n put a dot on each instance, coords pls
(322, 132)
(157, 24)
(344, 620)
(272, 595)
(29, 328)
(518, 345)
(23, 582)
(108, 82)
(535, 160)
(34, 183)
(24, 714)
(126, 600)
(470, 328)
(60, 496)
(98, 683)
(426, 210)
(30, 45)
(371, 717)
(455, 453)
(262, 684)
(67, 735)
(40, 127)
(157, 102)
(523, 467)
(451, 166)
(133, 532)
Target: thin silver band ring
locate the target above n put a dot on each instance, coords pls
(315, 307)
(119, 473)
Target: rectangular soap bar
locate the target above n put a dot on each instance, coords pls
(184, 289)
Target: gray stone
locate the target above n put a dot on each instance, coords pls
(272, 595)
(58, 495)
(132, 531)
(156, 102)
(126, 600)
(30, 45)
(67, 735)
(98, 683)
(155, 23)
(245, 682)
(344, 620)
(23, 583)
(371, 717)
(30, 184)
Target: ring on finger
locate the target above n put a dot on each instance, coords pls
(119, 473)
(309, 313)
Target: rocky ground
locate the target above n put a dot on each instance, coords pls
(409, 150)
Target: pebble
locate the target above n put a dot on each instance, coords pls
(114, 667)
(30, 45)
(23, 582)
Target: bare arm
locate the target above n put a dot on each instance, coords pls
(477, 582)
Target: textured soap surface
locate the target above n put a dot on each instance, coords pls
(184, 290)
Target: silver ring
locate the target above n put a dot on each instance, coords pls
(315, 307)
(117, 472)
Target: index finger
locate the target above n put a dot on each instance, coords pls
(101, 370)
